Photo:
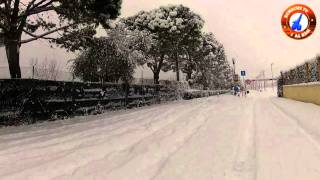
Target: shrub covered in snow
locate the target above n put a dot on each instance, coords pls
(192, 94)
(305, 73)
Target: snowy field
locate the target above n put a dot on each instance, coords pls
(260, 137)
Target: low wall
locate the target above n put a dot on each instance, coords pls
(24, 101)
(309, 93)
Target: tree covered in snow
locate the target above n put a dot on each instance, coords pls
(169, 38)
(38, 19)
(211, 68)
(112, 58)
(172, 27)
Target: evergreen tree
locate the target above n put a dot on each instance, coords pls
(172, 27)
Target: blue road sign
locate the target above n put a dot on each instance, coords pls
(243, 73)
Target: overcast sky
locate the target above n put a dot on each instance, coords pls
(249, 29)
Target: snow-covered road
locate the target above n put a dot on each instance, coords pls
(260, 137)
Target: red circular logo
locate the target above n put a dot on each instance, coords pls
(298, 21)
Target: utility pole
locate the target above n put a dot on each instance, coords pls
(272, 75)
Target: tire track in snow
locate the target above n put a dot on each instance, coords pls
(244, 166)
(284, 152)
(89, 131)
(129, 154)
(70, 147)
(65, 157)
(67, 129)
(134, 154)
(162, 166)
(68, 125)
(296, 122)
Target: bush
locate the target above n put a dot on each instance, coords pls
(307, 72)
(192, 94)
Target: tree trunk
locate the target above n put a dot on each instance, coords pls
(157, 70)
(156, 77)
(189, 75)
(13, 55)
(190, 68)
(177, 66)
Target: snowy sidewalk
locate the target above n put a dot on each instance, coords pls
(219, 138)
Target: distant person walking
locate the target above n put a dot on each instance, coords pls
(234, 88)
(238, 90)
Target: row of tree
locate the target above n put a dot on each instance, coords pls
(164, 39)
(169, 38)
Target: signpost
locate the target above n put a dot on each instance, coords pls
(243, 73)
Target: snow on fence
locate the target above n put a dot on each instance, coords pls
(305, 73)
(30, 100)
(192, 94)
(301, 83)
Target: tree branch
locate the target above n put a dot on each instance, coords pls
(30, 4)
(47, 4)
(39, 10)
(25, 15)
(39, 3)
(36, 37)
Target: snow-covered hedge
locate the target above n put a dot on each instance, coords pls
(192, 94)
(304, 73)
(25, 99)
(182, 90)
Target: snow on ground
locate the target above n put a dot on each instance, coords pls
(260, 137)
